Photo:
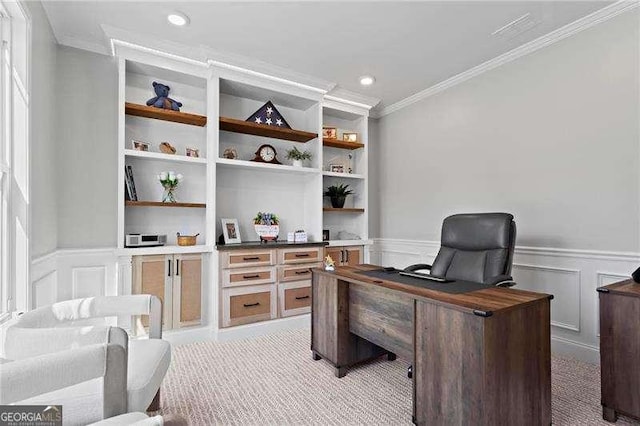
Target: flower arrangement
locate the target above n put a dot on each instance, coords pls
(267, 226)
(169, 181)
(298, 156)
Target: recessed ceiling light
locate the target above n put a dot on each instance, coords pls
(178, 18)
(367, 80)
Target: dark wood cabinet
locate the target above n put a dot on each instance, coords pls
(620, 349)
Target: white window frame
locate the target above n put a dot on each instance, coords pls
(14, 277)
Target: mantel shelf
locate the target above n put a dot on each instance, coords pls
(164, 114)
(249, 128)
(161, 204)
(344, 209)
(337, 143)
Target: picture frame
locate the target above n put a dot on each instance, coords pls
(336, 168)
(139, 145)
(230, 231)
(325, 235)
(330, 132)
(350, 137)
(193, 152)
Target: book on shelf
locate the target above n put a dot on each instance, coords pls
(131, 186)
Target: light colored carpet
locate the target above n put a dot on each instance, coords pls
(272, 380)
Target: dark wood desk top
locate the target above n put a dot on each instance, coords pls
(626, 287)
(493, 300)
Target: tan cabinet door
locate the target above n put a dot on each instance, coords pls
(152, 275)
(335, 253)
(187, 289)
(353, 255)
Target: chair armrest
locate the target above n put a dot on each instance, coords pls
(417, 267)
(502, 281)
(38, 375)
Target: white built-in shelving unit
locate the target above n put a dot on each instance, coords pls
(216, 102)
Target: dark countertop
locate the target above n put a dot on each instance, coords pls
(270, 245)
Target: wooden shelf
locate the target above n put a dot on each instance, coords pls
(164, 157)
(164, 114)
(344, 209)
(337, 143)
(161, 204)
(249, 128)
(229, 164)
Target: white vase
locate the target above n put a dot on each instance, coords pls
(297, 163)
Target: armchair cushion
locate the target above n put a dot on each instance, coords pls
(149, 361)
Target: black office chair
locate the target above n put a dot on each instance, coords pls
(474, 247)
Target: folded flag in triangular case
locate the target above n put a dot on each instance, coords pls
(268, 114)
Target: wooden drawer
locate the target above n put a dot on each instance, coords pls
(248, 276)
(295, 298)
(299, 255)
(243, 305)
(296, 273)
(249, 258)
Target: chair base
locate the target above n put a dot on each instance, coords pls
(155, 404)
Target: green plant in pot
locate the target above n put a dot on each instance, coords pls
(298, 156)
(338, 194)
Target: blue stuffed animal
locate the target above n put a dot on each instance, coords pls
(162, 100)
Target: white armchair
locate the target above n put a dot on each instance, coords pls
(25, 381)
(72, 324)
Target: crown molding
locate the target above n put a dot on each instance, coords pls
(548, 39)
(339, 94)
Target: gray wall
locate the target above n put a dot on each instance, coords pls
(87, 151)
(44, 216)
(552, 137)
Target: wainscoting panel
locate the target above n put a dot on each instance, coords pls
(88, 281)
(564, 284)
(44, 281)
(572, 276)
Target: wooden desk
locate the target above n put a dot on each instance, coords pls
(481, 357)
(620, 349)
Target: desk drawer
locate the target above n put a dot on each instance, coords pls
(247, 259)
(248, 276)
(296, 273)
(244, 305)
(295, 298)
(299, 255)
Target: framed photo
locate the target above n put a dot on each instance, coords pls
(325, 235)
(330, 132)
(192, 152)
(230, 231)
(350, 137)
(139, 145)
(336, 168)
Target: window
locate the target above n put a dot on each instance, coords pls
(14, 158)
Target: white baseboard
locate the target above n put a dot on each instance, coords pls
(572, 349)
(188, 335)
(263, 328)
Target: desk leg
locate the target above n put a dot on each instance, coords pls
(340, 372)
(609, 414)
(315, 356)
(391, 356)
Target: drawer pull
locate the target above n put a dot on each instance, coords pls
(302, 254)
(251, 258)
(247, 277)
(302, 272)
(301, 297)
(248, 305)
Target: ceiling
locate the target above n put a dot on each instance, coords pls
(407, 46)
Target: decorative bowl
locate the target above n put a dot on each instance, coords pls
(267, 232)
(187, 240)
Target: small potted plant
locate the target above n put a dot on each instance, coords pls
(267, 226)
(338, 194)
(169, 181)
(298, 156)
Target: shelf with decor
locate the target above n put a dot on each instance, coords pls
(164, 114)
(164, 157)
(343, 175)
(226, 163)
(337, 143)
(130, 203)
(343, 209)
(264, 130)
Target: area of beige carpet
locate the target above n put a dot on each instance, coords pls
(272, 380)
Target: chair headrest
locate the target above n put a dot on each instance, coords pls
(477, 231)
